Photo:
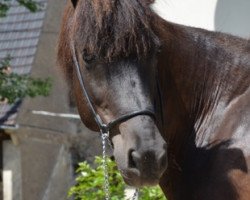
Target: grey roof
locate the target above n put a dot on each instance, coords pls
(19, 36)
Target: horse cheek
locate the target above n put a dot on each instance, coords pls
(82, 106)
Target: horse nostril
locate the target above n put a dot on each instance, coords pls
(133, 158)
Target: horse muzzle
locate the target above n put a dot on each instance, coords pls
(144, 169)
(140, 152)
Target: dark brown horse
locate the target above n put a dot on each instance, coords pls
(196, 82)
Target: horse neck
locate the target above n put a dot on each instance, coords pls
(194, 86)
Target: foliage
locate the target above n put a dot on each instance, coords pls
(29, 4)
(89, 183)
(4, 7)
(14, 86)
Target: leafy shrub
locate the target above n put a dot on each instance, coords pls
(89, 183)
(14, 86)
(31, 5)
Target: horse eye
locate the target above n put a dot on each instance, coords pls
(88, 58)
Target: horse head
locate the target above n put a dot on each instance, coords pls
(116, 50)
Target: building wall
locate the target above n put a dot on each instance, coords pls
(230, 16)
(38, 163)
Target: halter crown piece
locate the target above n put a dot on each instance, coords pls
(104, 128)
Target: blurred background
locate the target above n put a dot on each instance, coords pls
(229, 16)
(39, 152)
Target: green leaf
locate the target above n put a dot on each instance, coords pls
(3, 9)
(30, 4)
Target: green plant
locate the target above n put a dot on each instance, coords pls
(29, 4)
(4, 7)
(89, 183)
(14, 86)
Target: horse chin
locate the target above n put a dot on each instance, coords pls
(132, 177)
(138, 182)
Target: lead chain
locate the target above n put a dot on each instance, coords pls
(105, 136)
(136, 194)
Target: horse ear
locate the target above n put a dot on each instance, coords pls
(74, 2)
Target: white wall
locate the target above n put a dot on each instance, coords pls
(230, 16)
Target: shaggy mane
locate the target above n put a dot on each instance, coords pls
(114, 28)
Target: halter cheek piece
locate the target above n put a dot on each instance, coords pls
(104, 128)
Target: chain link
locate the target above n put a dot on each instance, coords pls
(136, 194)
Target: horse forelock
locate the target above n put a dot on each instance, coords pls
(114, 28)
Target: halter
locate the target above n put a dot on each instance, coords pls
(105, 127)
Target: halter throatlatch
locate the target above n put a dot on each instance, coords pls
(105, 128)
